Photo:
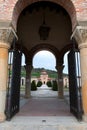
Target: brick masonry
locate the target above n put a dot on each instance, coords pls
(11, 9)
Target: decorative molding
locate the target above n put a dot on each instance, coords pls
(28, 60)
(7, 35)
(84, 45)
(60, 66)
(80, 34)
(4, 45)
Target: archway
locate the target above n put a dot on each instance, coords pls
(44, 59)
(44, 71)
(40, 105)
(29, 40)
(31, 19)
(19, 6)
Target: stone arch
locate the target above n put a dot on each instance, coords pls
(21, 4)
(48, 47)
(30, 54)
(67, 48)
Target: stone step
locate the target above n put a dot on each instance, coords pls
(43, 123)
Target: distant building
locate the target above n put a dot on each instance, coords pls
(44, 77)
(65, 80)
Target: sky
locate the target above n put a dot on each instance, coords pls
(45, 59)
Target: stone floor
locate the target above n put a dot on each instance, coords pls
(44, 102)
(45, 107)
(36, 118)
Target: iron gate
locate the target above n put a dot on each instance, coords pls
(74, 85)
(13, 93)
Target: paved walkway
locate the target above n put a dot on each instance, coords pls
(35, 121)
(44, 92)
(44, 102)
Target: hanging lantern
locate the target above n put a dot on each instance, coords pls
(44, 30)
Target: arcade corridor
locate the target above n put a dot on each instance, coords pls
(44, 102)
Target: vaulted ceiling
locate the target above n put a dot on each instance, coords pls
(56, 18)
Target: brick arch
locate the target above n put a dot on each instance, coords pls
(22, 4)
(67, 48)
(47, 47)
(30, 54)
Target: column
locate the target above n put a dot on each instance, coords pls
(59, 68)
(6, 38)
(28, 69)
(80, 35)
(3, 77)
(83, 57)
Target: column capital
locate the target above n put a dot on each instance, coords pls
(7, 35)
(28, 67)
(28, 59)
(59, 67)
(80, 34)
(84, 45)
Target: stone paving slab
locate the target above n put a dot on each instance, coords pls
(43, 123)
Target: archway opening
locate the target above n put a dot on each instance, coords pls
(29, 22)
(44, 73)
(47, 103)
(44, 59)
(66, 78)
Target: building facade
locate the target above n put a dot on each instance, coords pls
(44, 78)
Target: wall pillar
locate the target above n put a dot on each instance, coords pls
(80, 35)
(60, 80)
(3, 77)
(6, 37)
(83, 59)
(28, 69)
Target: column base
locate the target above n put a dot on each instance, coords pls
(85, 118)
(2, 117)
(60, 97)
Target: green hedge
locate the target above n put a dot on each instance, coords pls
(49, 84)
(33, 86)
(39, 83)
(55, 86)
